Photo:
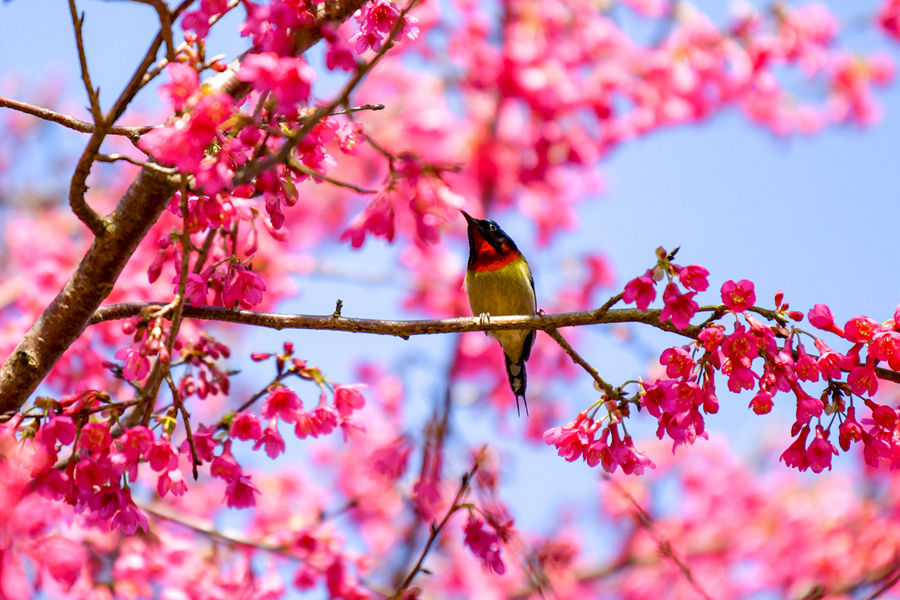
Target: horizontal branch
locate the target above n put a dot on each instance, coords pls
(70, 312)
(132, 133)
(403, 329)
(407, 329)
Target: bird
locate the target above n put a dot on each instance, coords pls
(499, 282)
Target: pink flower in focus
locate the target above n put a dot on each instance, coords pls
(348, 398)
(282, 403)
(862, 379)
(376, 20)
(162, 456)
(711, 338)
(245, 287)
(641, 290)
(886, 346)
(240, 493)
(484, 544)
(224, 466)
(272, 440)
(184, 82)
(572, 438)
(850, 430)
(741, 378)
(95, 437)
(678, 362)
(129, 518)
(739, 296)
(807, 406)
(860, 329)
(820, 317)
(137, 442)
(806, 366)
(136, 366)
(171, 481)
(740, 347)
(204, 443)
(694, 277)
(196, 289)
(831, 363)
(245, 426)
(795, 456)
(820, 451)
(626, 456)
(762, 403)
(350, 136)
(57, 429)
(678, 307)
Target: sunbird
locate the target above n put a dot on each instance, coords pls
(499, 282)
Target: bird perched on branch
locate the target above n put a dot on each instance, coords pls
(499, 282)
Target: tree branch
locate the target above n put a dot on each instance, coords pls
(403, 329)
(71, 311)
(132, 133)
(435, 532)
(665, 547)
(406, 329)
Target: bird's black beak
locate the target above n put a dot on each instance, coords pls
(469, 219)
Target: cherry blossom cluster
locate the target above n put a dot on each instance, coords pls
(680, 400)
(536, 99)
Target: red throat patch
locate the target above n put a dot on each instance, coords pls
(487, 258)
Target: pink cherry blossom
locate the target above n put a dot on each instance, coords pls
(739, 296)
(678, 307)
(137, 365)
(272, 440)
(241, 493)
(694, 277)
(641, 290)
(348, 398)
(484, 544)
(283, 403)
(184, 82)
(246, 426)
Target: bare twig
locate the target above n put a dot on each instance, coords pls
(110, 158)
(186, 417)
(887, 585)
(93, 96)
(70, 312)
(252, 170)
(132, 133)
(665, 547)
(322, 177)
(436, 531)
(353, 109)
(163, 512)
(608, 389)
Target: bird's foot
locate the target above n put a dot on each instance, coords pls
(484, 319)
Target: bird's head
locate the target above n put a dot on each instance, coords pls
(489, 246)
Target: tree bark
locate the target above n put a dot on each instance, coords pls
(70, 312)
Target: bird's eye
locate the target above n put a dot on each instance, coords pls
(492, 227)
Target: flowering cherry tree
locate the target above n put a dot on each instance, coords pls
(129, 433)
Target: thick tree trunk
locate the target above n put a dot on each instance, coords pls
(70, 312)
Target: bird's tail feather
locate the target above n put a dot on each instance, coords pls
(518, 379)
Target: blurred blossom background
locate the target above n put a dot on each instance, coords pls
(814, 215)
